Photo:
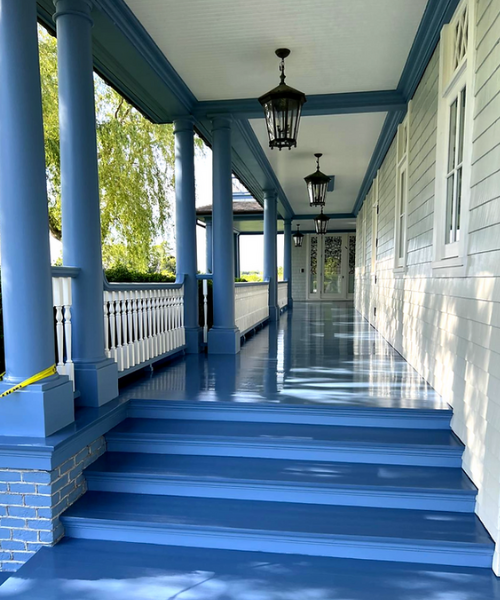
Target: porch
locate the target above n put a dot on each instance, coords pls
(364, 465)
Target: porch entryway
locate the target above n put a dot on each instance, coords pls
(315, 464)
(331, 266)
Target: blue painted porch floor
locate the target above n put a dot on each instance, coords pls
(315, 465)
(91, 570)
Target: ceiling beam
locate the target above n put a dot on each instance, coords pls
(319, 104)
(335, 216)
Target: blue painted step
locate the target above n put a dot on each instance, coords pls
(383, 486)
(85, 569)
(338, 415)
(454, 539)
(284, 441)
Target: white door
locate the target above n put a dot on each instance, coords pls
(331, 266)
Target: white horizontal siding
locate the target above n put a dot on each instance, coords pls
(449, 328)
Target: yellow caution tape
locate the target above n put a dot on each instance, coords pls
(42, 375)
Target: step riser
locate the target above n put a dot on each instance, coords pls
(450, 555)
(331, 497)
(285, 415)
(370, 455)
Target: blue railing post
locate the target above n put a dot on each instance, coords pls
(287, 259)
(271, 251)
(209, 242)
(42, 408)
(185, 227)
(96, 376)
(224, 336)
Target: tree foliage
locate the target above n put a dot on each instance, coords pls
(136, 174)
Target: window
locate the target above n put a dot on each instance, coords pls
(362, 239)
(454, 145)
(375, 211)
(403, 143)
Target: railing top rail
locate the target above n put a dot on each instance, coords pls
(146, 285)
(72, 272)
(205, 276)
(251, 283)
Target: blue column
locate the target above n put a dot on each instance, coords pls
(96, 375)
(185, 228)
(287, 259)
(209, 243)
(43, 408)
(224, 337)
(237, 268)
(271, 251)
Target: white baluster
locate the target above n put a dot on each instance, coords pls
(126, 345)
(154, 320)
(106, 325)
(112, 327)
(205, 311)
(118, 321)
(140, 322)
(68, 329)
(135, 333)
(181, 317)
(150, 326)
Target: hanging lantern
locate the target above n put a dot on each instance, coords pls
(321, 223)
(282, 107)
(298, 238)
(317, 184)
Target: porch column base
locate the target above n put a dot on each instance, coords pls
(194, 339)
(224, 341)
(39, 410)
(274, 313)
(96, 382)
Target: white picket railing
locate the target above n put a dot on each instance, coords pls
(282, 294)
(142, 322)
(62, 300)
(251, 305)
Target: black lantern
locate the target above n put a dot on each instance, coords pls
(298, 238)
(321, 223)
(282, 107)
(317, 184)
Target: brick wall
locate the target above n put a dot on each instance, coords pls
(31, 502)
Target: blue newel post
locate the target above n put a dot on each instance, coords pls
(209, 249)
(185, 227)
(237, 267)
(96, 375)
(287, 259)
(271, 251)
(224, 337)
(42, 408)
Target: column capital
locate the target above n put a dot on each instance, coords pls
(79, 8)
(221, 121)
(270, 194)
(184, 124)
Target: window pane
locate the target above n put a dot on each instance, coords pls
(313, 266)
(458, 204)
(401, 251)
(462, 125)
(453, 136)
(402, 193)
(449, 238)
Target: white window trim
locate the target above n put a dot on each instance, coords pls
(362, 262)
(451, 259)
(402, 165)
(374, 209)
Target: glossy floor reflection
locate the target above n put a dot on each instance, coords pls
(320, 354)
(89, 570)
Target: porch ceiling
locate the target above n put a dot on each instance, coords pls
(347, 143)
(340, 46)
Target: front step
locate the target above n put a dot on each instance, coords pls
(83, 569)
(285, 441)
(341, 484)
(454, 539)
(336, 415)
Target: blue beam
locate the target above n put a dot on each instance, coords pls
(320, 104)
(330, 216)
(384, 141)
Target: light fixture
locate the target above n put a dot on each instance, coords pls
(282, 107)
(321, 223)
(317, 184)
(298, 237)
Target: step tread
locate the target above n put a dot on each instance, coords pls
(230, 470)
(287, 433)
(89, 567)
(408, 527)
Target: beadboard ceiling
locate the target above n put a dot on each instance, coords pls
(224, 49)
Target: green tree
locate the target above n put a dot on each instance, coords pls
(136, 174)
